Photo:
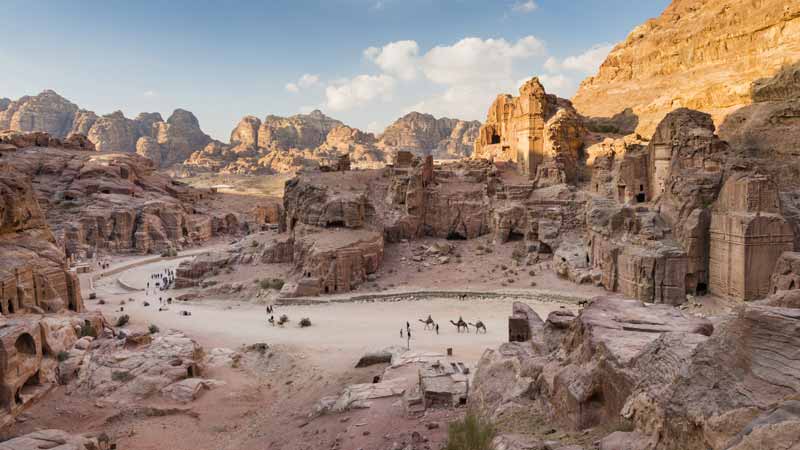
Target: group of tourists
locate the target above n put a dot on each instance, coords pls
(160, 281)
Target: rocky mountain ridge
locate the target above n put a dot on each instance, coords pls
(165, 142)
(274, 144)
(699, 55)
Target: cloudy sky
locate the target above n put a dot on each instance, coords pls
(366, 62)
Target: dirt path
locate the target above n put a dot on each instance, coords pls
(340, 332)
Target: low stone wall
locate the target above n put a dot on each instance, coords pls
(537, 295)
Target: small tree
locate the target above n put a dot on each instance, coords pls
(472, 433)
(88, 330)
(123, 320)
(153, 328)
(305, 322)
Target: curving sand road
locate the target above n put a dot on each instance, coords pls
(341, 332)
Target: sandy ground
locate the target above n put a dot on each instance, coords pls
(340, 332)
(267, 405)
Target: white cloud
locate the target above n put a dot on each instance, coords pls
(475, 60)
(474, 71)
(377, 6)
(558, 84)
(150, 93)
(375, 127)
(305, 109)
(397, 58)
(587, 62)
(359, 91)
(525, 7)
(552, 65)
(305, 81)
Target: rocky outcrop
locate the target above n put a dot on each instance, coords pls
(33, 268)
(30, 344)
(114, 133)
(700, 56)
(126, 369)
(672, 381)
(50, 113)
(301, 131)
(47, 112)
(286, 144)
(424, 134)
(118, 202)
(246, 132)
(767, 128)
(58, 439)
(540, 133)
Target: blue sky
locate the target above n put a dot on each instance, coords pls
(365, 62)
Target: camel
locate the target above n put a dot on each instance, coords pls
(428, 322)
(461, 324)
(479, 325)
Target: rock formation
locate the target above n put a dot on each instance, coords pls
(423, 134)
(767, 128)
(541, 133)
(699, 56)
(55, 439)
(166, 143)
(274, 145)
(314, 140)
(285, 144)
(33, 274)
(672, 381)
(114, 202)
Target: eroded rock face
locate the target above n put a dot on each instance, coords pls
(673, 380)
(540, 133)
(246, 132)
(50, 113)
(423, 134)
(768, 127)
(118, 202)
(739, 372)
(286, 144)
(116, 372)
(33, 269)
(702, 57)
(61, 440)
(30, 344)
(47, 112)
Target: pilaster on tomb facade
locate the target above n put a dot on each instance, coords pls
(747, 236)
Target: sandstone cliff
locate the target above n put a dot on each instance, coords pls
(425, 134)
(166, 143)
(699, 55)
(285, 144)
(114, 202)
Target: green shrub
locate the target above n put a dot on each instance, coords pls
(305, 322)
(87, 329)
(153, 328)
(123, 320)
(271, 283)
(62, 356)
(471, 433)
(170, 252)
(254, 244)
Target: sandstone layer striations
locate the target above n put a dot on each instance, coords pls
(165, 142)
(699, 55)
